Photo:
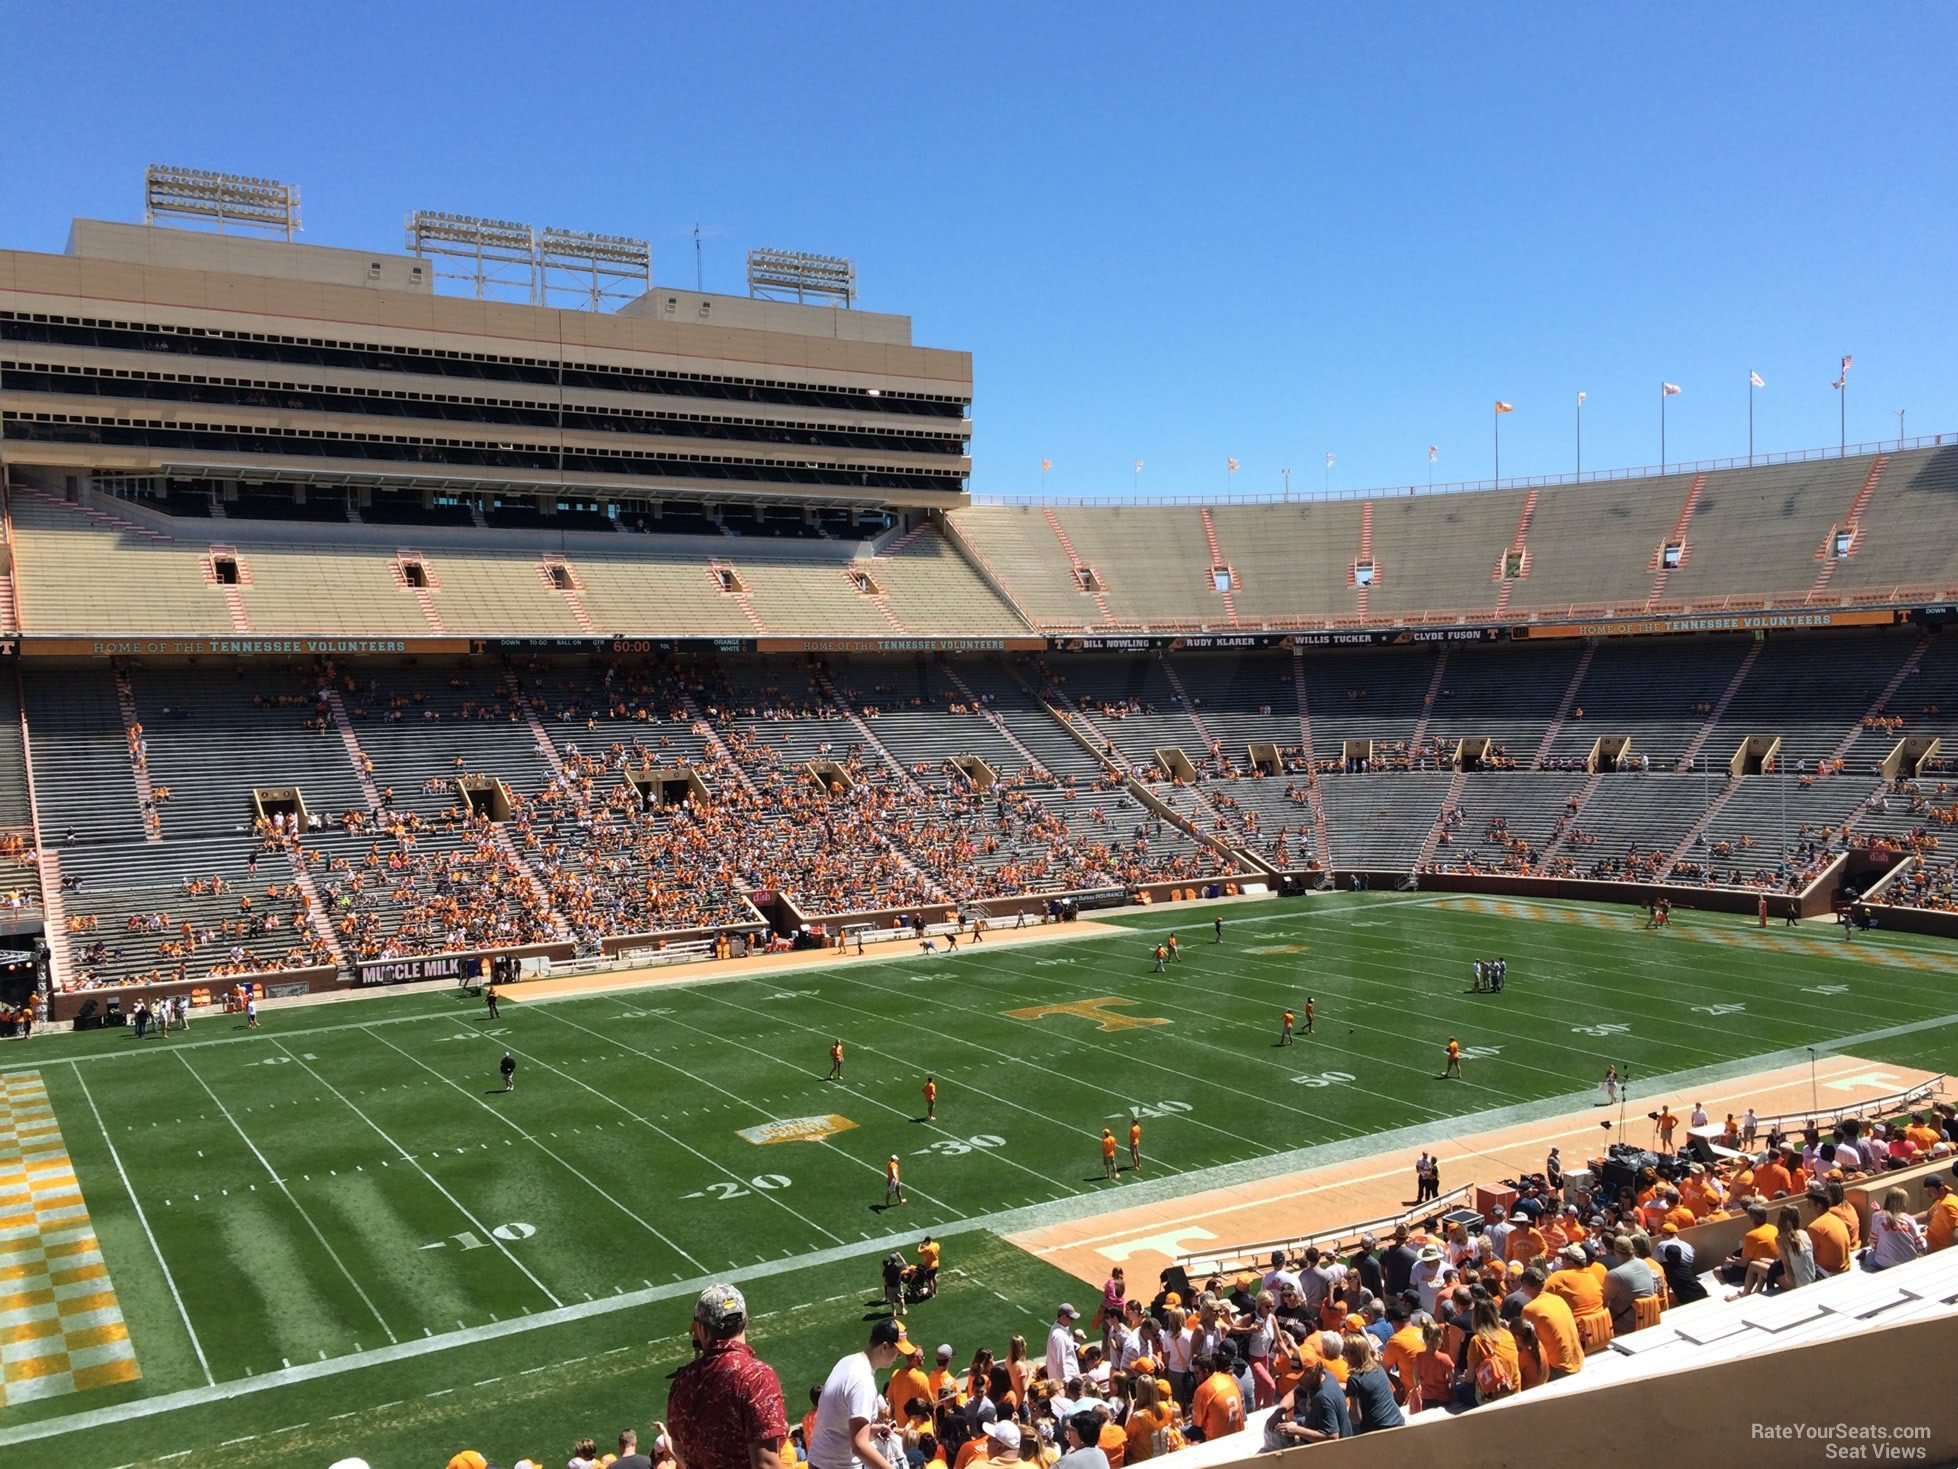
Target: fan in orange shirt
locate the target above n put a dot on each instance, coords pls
(931, 1099)
(1827, 1237)
(1941, 1218)
(1773, 1178)
(1218, 1407)
(1108, 1165)
(1759, 1241)
(1526, 1243)
(1454, 1065)
(1578, 1287)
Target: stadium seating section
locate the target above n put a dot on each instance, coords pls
(554, 798)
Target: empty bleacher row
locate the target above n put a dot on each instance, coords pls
(106, 568)
(1814, 533)
(1734, 538)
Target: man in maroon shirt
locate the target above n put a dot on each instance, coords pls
(725, 1409)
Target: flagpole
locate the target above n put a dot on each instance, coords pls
(1750, 416)
(1580, 436)
(1662, 428)
(1842, 416)
(1497, 415)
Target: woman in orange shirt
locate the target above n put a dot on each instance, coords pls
(1490, 1369)
(1435, 1369)
(1019, 1370)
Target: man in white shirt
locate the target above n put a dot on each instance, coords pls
(1063, 1361)
(1125, 1342)
(1095, 1365)
(1278, 1279)
(1698, 1119)
(848, 1406)
(1427, 1276)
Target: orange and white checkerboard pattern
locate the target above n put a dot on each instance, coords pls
(61, 1330)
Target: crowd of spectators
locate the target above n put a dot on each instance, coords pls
(590, 853)
(1334, 1342)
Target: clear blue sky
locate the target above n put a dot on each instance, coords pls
(1173, 233)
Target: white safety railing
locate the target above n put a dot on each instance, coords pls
(1241, 1257)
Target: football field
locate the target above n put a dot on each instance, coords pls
(337, 1234)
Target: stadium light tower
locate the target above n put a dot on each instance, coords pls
(496, 257)
(791, 275)
(180, 195)
(599, 269)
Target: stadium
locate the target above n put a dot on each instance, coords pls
(626, 708)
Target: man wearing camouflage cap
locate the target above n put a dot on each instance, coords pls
(725, 1409)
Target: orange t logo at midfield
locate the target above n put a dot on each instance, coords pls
(1096, 1010)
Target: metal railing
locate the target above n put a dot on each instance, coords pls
(1458, 487)
(1924, 1091)
(1736, 604)
(1259, 1254)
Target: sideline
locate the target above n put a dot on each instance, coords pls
(633, 981)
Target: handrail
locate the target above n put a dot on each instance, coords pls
(1896, 1101)
(1875, 598)
(1458, 487)
(1219, 1262)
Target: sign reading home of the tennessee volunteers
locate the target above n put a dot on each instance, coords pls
(1098, 1010)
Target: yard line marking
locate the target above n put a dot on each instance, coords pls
(703, 1082)
(435, 1182)
(1689, 976)
(1292, 990)
(298, 1209)
(550, 1153)
(677, 1141)
(1745, 984)
(1008, 1053)
(876, 1102)
(1006, 1222)
(1480, 1025)
(143, 1219)
(246, 1039)
(978, 1091)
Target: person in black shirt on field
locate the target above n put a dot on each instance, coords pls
(509, 1069)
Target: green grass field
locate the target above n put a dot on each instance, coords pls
(336, 1235)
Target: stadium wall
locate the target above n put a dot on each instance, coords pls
(1728, 1412)
(283, 983)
